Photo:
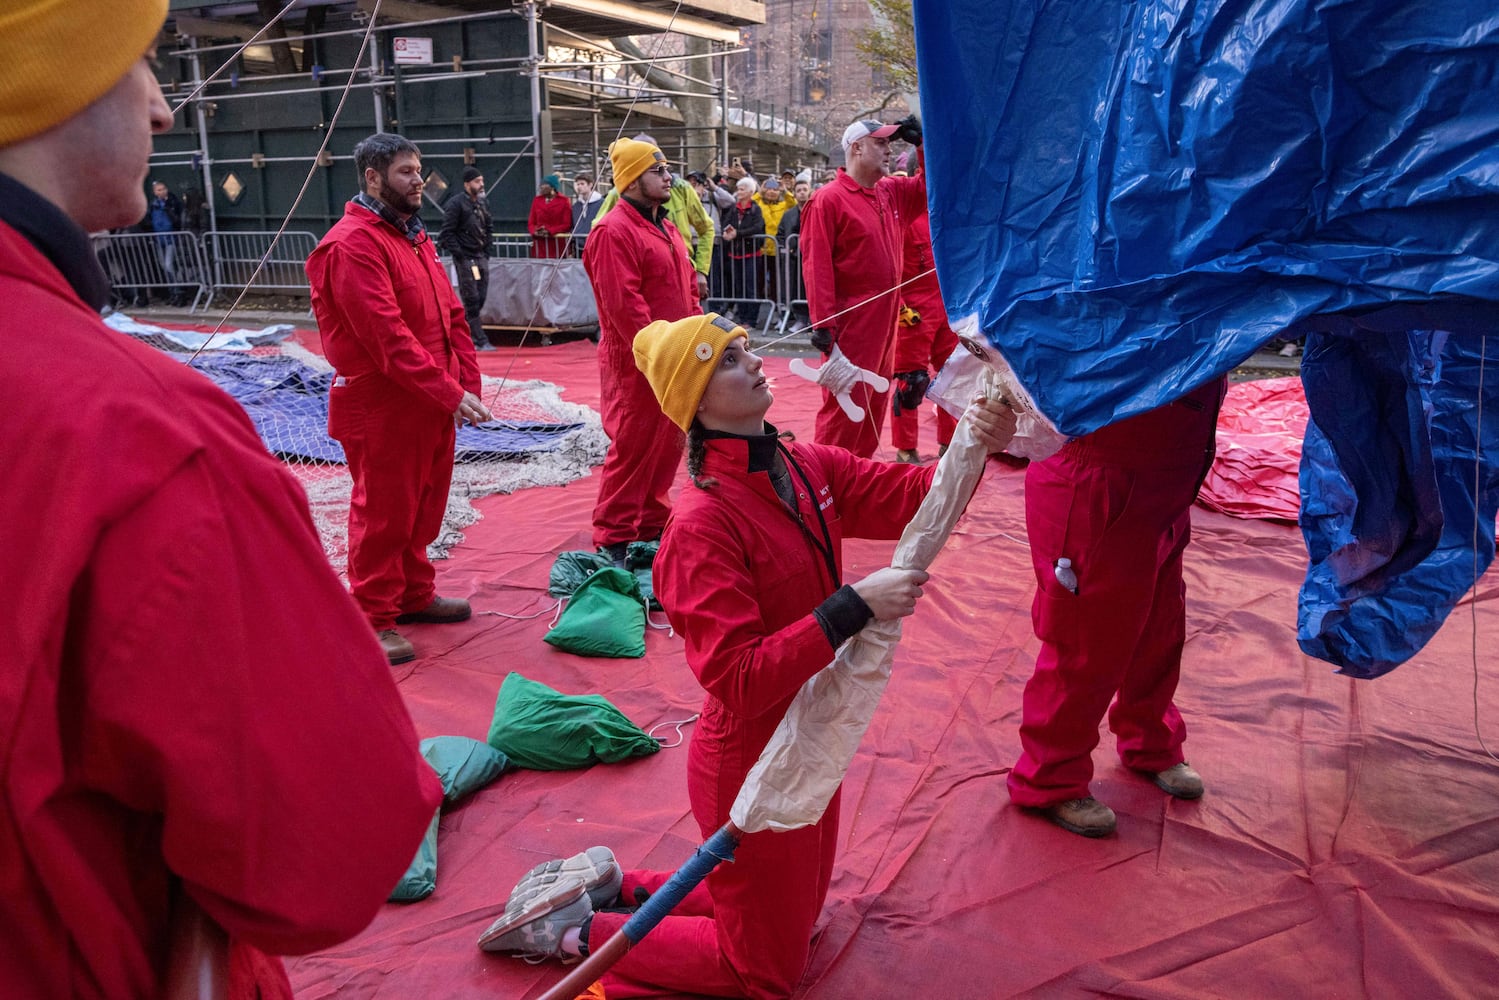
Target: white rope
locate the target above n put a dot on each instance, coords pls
(252, 40)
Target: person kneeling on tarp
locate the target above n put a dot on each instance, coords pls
(750, 574)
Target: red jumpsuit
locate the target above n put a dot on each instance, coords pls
(555, 214)
(851, 245)
(396, 332)
(179, 656)
(1117, 503)
(640, 273)
(739, 579)
(929, 342)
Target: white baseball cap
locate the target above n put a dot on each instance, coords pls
(864, 129)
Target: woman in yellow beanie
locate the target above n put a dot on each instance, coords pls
(750, 574)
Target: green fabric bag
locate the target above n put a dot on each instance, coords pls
(605, 617)
(571, 569)
(421, 878)
(463, 765)
(546, 730)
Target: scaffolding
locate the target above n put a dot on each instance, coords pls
(536, 85)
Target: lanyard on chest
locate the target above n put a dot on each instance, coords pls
(825, 546)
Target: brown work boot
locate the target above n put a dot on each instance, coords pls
(440, 611)
(1087, 817)
(907, 455)
(1180, 781)
(398, 649)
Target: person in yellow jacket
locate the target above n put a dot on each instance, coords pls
(773, 202)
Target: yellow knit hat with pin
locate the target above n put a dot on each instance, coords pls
(59, 56)
(679, 359)
(630, 158)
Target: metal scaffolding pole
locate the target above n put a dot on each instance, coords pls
(533, 37)
(205, 162)
(723, 111)
(376, 93)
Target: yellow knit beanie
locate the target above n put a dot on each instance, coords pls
(679, 359)
(59, 56)
(630, 158)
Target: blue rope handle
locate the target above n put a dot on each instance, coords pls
(717, 848)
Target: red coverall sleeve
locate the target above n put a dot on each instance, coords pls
(713, 603)
(237, 692)
(910, 194)
(366, 302)
(817, 264)
(533, 217)
(618, 279)
(875, 499)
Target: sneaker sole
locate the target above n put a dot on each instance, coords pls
(543, 904)
(396, 661)
(602, 884)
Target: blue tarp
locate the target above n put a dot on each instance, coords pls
(1132, 197)
(288, 403)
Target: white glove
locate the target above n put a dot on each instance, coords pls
(838, 376)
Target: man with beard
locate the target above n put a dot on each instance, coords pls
(638, 264)
(467, 235)
(407, 376)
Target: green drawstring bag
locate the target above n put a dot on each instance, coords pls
(606, 617)
(572, 568)
(546, 730)
(462, 765)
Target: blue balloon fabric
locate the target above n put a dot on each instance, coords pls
(1131, 198)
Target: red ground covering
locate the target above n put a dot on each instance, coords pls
(1348, 845)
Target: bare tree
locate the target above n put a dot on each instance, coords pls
(695, 90)
(889, 48)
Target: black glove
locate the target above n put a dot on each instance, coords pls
(910, 389)
(822, 339)
(909, 129)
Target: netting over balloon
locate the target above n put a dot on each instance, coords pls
(535, 439)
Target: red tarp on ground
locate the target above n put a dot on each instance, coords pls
(1348, 844)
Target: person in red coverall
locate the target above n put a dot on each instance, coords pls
(196, 717)
(640, 271)
(923, 340)
(398, 336)
(750, 574)
(1109, 517)
(851, 245)
(550, 221)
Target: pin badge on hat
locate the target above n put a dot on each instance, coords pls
(704, 351)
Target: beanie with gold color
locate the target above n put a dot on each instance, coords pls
(59, 56)
(679, 359)
(630, 158)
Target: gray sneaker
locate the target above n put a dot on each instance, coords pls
(533, 927)
(595, 868)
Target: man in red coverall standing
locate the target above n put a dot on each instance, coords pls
(641, 272)
(1109, 517)
(178, 652)
(924, 339)
(407, 376)
(852, 232)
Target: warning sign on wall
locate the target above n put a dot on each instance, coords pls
(413, 51)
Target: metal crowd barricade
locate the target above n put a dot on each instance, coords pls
(234, 257)
(746, 287)
(171, 264)
(791, 289)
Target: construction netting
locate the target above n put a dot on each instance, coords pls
(535, 439)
